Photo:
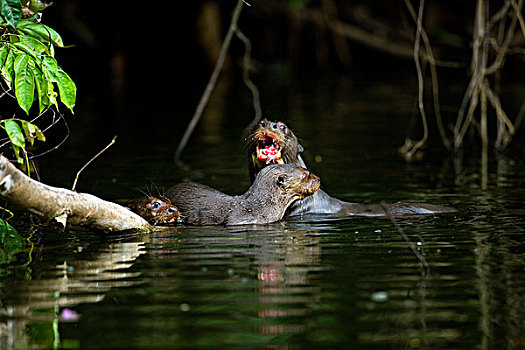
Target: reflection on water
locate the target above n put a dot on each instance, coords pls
(52, 288)
(292, 284)
(308, 282)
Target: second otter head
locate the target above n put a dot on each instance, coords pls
(271, 142)
(155, 210)
(290, 182)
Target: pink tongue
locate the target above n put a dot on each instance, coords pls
(268, 153)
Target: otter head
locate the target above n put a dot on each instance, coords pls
(155, 210)
(271, 142)
(283, 184)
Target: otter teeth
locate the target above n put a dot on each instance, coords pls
(268, 150)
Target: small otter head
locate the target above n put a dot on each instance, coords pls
(271, 142)
(155, 210)
(285, 183)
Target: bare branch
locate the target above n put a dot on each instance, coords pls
(91, 160)
(64, 206)
(211, 83)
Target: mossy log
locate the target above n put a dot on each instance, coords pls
(65, 206)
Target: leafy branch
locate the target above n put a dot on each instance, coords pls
(29, 69)
(30, 74)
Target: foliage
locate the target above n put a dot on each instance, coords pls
(19, 135)
(29, 68)
(11, 243)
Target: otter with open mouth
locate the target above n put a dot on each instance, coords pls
(274, 189)
(273, 142)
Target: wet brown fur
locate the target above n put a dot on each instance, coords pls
(155, 210)
(274, 189)
(321, 202)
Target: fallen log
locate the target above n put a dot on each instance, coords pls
(55, 204)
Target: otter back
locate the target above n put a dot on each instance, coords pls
(274, 189)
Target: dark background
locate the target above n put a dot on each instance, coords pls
(141, 69)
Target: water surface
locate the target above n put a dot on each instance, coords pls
(303, 283)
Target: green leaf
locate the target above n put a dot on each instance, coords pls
(66, 88)
(17, 138)
(7, 70)
(4, 51)
(41, 88)
(11, 10)
(38, 5)
(32, 46)
(15, 133)
(24, 82)
(19, 158)
(32, 132)
(41, 32)
(51, 94)
(49, 67)
(11, 243)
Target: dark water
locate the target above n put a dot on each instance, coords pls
(304, 283)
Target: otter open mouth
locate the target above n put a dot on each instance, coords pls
(268, 150)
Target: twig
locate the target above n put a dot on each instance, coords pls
(517, 9)
(503, 137)
(211, 83)
(479, 90)
(482, 31)
(519, 116)
(502, 52)
(66, 125)
(434, 78)
(246, 75)
(498, 16)
(474, 100)
(91, 160)
(420, 81)
(378, 42)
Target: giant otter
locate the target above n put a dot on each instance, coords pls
(273, 190)
(155, 210)
(273, 142)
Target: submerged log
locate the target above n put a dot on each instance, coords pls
(65, 206)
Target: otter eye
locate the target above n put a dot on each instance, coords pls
(280, 181)
(156, 205)
(283, 127)
(262, 123)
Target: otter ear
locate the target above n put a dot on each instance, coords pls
(301, 149)
(280, 181)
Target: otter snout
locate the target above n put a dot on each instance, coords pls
(314, 182)
(310, 182)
